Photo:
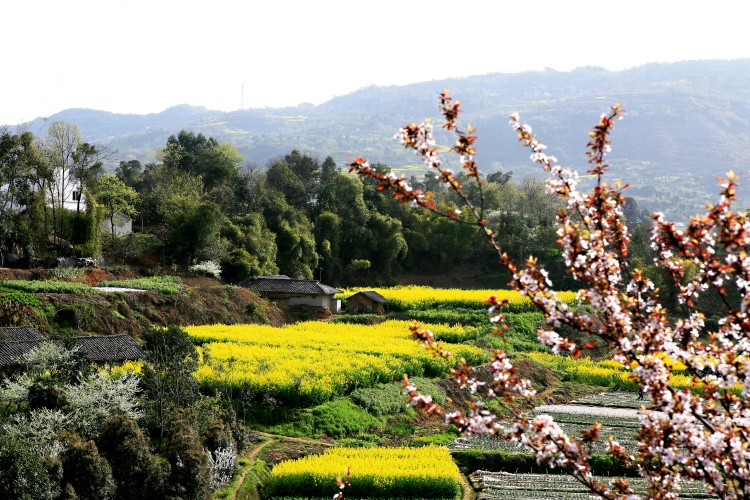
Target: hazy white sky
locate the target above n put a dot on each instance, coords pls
(142, 56)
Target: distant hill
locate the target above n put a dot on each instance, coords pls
(686, 123)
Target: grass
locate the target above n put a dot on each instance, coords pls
(338, 419)
(169, 285)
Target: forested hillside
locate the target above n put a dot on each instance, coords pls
(686, 123)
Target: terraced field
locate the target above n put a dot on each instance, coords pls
(616, 411)
(573, 422)
(496, 485)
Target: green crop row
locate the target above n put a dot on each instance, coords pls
(170, 285)
(47, 286)
(20, 298)
(388, 399)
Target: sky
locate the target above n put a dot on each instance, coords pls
(143, 56)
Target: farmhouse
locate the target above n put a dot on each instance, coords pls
(366, 301)
(109, 348)
(100, 349)
(288, 292)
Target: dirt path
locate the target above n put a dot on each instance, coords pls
(252, 455)
(468, 490)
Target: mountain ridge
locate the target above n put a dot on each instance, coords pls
(686, 123)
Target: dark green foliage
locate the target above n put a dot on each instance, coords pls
(167, 374)
(294, 237)
(85, 471)
(495, 461)
(452, 316)
(23, 474)
(257, 311)
(280, 178)
(337, 418)
(138, 473)
(86, 230)
(43, 395)
(253, 248)
(219, 435)
(202, 156)
(189, 476)
(194, 233)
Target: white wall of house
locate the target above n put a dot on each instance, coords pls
(70, 198)
(311, 300)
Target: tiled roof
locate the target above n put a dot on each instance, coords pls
(109, 347)
(373, 295)
(11, 352)
(19, 334)
(287, 286)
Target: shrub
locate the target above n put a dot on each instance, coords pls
(190, 474)
(23, 473)
(208, 267)
(388, 399)
(138, 473)
(85, 471)
(341, 418)
(20, 299)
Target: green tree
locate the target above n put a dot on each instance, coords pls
(328, 242)
(87, 167)
(24, 475)
(189, 477)
(294, 237)
(18, 159)
(86, 474)
(386, 243)
(130, 173)
(203, 157)
(117, 198)
(281, 178)
(252, 248)
(194, 233)
(328, 171)
(167, 375)
(138, 474)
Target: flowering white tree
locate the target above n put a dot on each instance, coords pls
(701, 432)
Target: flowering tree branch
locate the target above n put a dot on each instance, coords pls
(701, 432)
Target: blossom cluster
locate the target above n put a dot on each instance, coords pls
(694, 431)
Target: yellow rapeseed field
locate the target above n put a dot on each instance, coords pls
(403, 298)
(427, 472)
(310, 362)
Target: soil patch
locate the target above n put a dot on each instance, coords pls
(287, 449)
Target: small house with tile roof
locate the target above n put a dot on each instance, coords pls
(366, 301)
(15, 341)
(109, 348)
(19, 334)
(288, 292)
(100, 349)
